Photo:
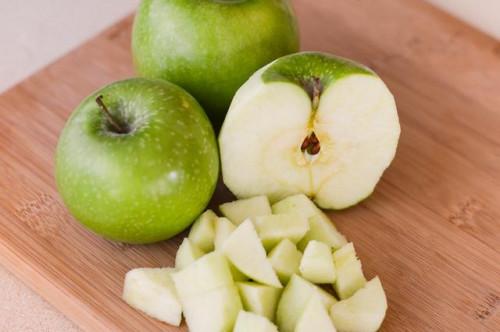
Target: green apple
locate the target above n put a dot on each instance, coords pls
(202, 233)
(250, 322)
(211, 47)
(137, 161)
(244, 250)
(315, 318)
(321, 228)
(294, 300)
(364, 311)
(285, 259)
(274, 228)
(259, 299)
(350, 275)
(317, 263)
(152, 291)
(187, 254)
(239, 211)
(309, 123)
(223, 228)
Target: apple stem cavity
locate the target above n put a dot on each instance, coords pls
(116, 126)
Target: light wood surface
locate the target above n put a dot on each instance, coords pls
(431, 230)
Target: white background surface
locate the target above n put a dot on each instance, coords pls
(34, 33)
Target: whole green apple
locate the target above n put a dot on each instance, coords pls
(211, 47)
(137, 161)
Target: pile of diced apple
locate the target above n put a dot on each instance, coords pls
(262, 268)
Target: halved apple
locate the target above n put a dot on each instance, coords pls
(202, 232)
(274, 228)
(317, 263)
(315, 318)
(294, 300)
(152, 291)
(309, 123)
(238, 211)
(350, 275)
(250, 322)
(285, 259)
(259, 299)
(244, 250)
(364, 311)
(187, 253)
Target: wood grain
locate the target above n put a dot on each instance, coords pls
(431, 230)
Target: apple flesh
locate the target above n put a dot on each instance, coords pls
(315, 318)
(250, 322)
(239, 211)
(285, 259)
(211, 47)
(317, 263)
(259, 299)
(309, 123)
(274, 228)
(137, 161)
(187, 254)
(350, 275)
(223, 228)
(294, 300)
(202, 233)
(152, 291)
(364, 311)
(244, 250)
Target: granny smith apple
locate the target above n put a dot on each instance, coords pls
(309, 123)
(137, 161)
(211, 47)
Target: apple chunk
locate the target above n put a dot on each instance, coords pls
(364, 311)
(274, 228)
(285, 259)
(186, 254)
(244, 250)
(317, 263)
(250, 322)
(238, 211)
(153, 292)
(223, 228)
(294, 300)
(315, 318)
(309, 123)
(350, 275)
(202, 232)
(259, 299)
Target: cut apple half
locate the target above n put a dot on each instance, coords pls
(309, 123)
(152, 291)
(364, 311)
(245, 251)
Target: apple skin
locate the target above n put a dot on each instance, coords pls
(210, 47)
(148, 184)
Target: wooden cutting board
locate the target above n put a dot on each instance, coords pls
(431, 230)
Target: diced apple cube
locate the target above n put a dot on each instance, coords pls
(350, 276)
(285, 259)
(153, 292)
(317, 263)
(244, 250)
(223, 228)
(186, 254)
(364, 311)
(202, 233)
(250, 322)
(299, 205)
(259, 299)
(274, 228)
(321, 229)
(239, 211)
(294, 300)
(315, 318)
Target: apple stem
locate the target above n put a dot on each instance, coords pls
(316, 93)
(116, 126)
